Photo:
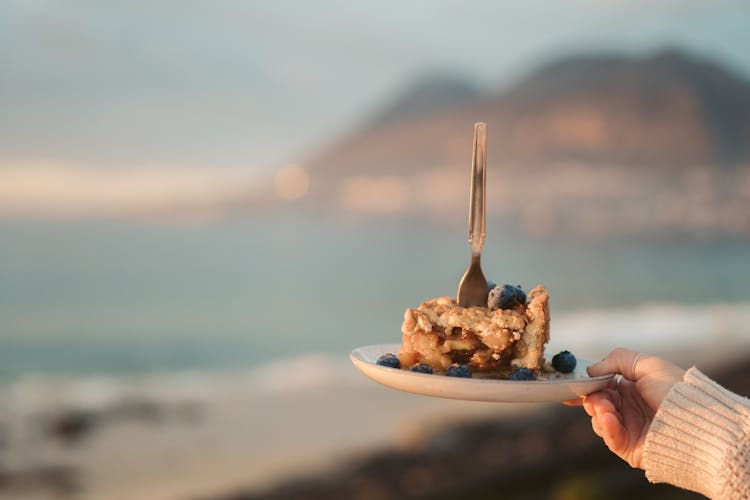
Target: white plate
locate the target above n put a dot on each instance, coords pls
(555, 389)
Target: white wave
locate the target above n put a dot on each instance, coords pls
(34, 394)
(654, 328)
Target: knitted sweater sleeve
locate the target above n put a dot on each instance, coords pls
(700, 439)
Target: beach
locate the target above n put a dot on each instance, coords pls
(193, 434)
(200, 435)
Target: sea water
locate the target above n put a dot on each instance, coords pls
(131, 297)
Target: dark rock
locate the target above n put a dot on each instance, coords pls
(41, 481)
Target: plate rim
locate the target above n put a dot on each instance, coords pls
(597, 378)
(454, 383)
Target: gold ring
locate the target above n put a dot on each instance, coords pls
(632, 369)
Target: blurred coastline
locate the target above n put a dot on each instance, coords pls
(253, 430)
(247, 409)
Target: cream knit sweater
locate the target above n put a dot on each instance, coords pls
(700, 439)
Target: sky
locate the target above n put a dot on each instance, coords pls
(255, 84)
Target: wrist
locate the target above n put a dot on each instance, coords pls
(693, 431)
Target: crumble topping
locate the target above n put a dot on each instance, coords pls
(440, 333)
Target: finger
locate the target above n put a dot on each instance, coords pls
(609, 419)
(589, 405)
(628, 388)
(600, 402)
(619, 361)
(573, 402)
(596, 426)
(610, 403)
(613, 432)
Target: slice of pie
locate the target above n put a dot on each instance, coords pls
(440, 333)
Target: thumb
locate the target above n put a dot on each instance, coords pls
(619, 361)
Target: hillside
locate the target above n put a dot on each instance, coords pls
(592, 144)
(667, 109)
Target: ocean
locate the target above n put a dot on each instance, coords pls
(96, 297)
(163, 359)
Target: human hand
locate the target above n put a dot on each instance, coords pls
(621, 415)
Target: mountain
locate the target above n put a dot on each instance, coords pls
(665, 109)
(428, 94)
(592, 145)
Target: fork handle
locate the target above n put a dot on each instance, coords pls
(478, 190)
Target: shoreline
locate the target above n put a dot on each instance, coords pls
(176, 436)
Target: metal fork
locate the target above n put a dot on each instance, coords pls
(472, 290)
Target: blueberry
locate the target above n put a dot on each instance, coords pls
(422, 368)
(459, 371)
(491, 285)
(522, 374)
(505, 297)
(564, 362)
(389, 360)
